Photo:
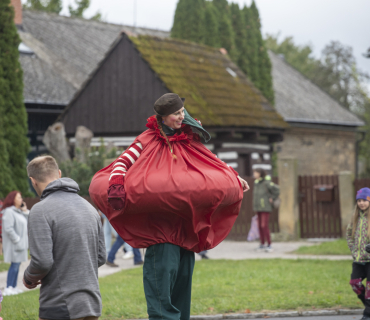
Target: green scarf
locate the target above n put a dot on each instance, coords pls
(195, 127)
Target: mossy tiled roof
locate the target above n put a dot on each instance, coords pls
(200, 74)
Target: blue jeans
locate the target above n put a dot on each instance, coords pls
(118, 244)
(13, 274)
(108, 230)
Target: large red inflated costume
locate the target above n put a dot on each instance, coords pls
(191, 201)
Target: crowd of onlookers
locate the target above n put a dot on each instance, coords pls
(59, 237)
(14, 239)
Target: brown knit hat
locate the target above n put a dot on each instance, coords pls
(167, 104)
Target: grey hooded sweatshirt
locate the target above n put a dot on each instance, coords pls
(67, 247)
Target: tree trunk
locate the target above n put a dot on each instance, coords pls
(83, 139)
(55, 140)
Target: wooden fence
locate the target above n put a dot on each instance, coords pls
(319, 208)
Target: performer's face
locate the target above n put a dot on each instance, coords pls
(174, 120)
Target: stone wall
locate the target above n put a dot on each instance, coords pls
(319, 151)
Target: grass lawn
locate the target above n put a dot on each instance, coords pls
(337, 247)
(3, 266)
(223, 286)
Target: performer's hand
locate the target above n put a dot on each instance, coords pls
(116, 196)
(244, 184)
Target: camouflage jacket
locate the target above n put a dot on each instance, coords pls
(263, 190)
(358, 243)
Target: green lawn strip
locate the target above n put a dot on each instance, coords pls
(3, 266)
(224, 286)
(337, 247)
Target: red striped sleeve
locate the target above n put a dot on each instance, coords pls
(124, 162)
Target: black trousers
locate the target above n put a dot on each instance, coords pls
(359, 273)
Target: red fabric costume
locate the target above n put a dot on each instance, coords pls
(191, 202)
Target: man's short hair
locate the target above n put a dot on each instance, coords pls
(43, 168)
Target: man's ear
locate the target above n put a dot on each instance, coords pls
(60, 174)
(34, 183)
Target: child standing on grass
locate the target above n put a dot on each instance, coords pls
(358, 235)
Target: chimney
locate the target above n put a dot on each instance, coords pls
(17, 11)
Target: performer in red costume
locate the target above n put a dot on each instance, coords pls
(168, 193)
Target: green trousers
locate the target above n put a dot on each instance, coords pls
(168, 271)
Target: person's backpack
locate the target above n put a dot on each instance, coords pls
(275, 203)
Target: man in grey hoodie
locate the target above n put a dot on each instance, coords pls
(66, 244)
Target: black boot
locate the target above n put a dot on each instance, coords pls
(365, 317)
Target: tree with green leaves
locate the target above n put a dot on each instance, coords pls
(54, 6)
(251, 52)
(222, 7)
(83, 172)
(264, 63)
(211, 37)
(300, 57)
(240, 31)
(189, 20)
(224, 25)
(364, 152)
(6, 181)
(82, 6)
(225, 29)
(335, 72)
(14, 145)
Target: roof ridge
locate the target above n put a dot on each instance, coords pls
(89, 20)
(300, 74)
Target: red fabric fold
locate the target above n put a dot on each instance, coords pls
(191, 202)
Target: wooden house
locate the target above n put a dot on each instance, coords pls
(106, 77)
(323, 135)
(119, 95)
(57, 55)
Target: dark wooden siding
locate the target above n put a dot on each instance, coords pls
(119, 97)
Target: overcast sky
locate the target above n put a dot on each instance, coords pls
(309, 21)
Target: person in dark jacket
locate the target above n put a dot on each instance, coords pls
(264, 194)
(66, 244)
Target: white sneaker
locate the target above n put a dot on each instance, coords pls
(260, 248)
(17, 290)
(9, 291)
(269, 249)
(128, 255)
